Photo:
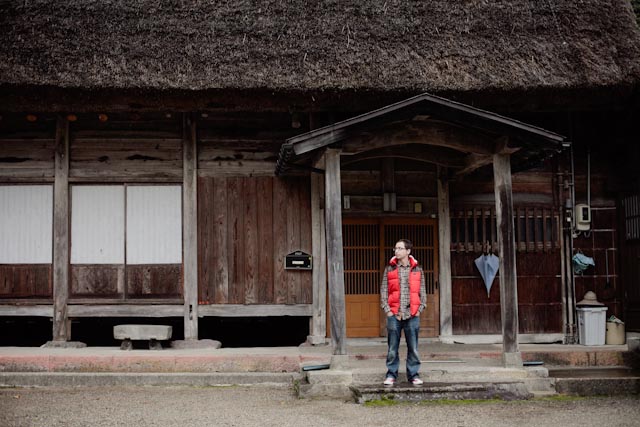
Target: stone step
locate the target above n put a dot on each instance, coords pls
(452, 374)
(593, 381)
(112, 379)
(507, 390)
(598, 386)
(541, 385)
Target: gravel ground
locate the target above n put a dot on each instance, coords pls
(244, 406)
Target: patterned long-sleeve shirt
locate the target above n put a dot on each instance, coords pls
(403, 274)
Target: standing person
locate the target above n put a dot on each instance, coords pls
(403, 296)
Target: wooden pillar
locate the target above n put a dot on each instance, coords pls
(190, 228)
(444, 254)
(318, 322)
(508, 278)
(61, 324)
(335, 263)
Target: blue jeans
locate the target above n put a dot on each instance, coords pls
(411, 329)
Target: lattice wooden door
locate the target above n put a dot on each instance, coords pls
(368, 247)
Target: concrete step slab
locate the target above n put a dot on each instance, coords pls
(445, 374)
(112, 379)
(598, 386)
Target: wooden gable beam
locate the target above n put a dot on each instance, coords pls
(422, 153)
(428, 133)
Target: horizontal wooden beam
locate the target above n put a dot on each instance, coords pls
(423, 153)
(160, 310)
(428, 133)
(255, 310)
(27, 310)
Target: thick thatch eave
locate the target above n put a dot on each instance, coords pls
(382, 46)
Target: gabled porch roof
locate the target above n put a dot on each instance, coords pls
(433, 129)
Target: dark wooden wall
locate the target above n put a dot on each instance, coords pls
(246, 225)
(538, 257)
(539, 295)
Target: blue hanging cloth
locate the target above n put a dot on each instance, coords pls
(581, 262)
(488, 266)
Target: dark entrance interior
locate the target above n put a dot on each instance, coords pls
(98, 332)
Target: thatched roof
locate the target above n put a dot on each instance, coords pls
(439, 46)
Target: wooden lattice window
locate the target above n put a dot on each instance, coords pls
(631, 207)
(473, 229)
(361, 259)
(368, 245)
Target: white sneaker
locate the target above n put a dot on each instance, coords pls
(389, 381)
(417, 381)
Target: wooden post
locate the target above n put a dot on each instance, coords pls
(444, 255)
(318, 322)
(61, 324)
(508, 278)
(190, 228)
(333, 213)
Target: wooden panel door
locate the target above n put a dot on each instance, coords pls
(368, 246)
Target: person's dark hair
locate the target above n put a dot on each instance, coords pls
(407, 243)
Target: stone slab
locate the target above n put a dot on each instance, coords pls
(191, 344)
(439, 391)
(330, 376)
(142, 332)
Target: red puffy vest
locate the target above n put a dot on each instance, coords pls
(393, 282)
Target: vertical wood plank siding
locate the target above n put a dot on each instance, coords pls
(246, 227)
(25, 281)
(236, 242)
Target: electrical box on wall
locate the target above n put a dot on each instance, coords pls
(582, 217)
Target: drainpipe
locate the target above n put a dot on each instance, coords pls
(571, 297)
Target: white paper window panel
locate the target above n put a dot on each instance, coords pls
(97, 224)
(26, 224)
(154, 224)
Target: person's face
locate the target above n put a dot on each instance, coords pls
(400, 251)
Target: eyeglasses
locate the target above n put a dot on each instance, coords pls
(398, 249)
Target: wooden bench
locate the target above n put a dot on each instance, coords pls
(151, 333)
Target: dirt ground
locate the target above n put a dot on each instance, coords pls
(259, 406)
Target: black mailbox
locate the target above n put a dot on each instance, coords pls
(297, 260)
